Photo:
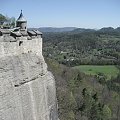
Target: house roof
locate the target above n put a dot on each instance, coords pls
(5, 31)
(32, 33)
(17, 34)
(24, 33)
(21, 18)
(37, 32)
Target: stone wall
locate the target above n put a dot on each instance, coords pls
(8, 48)
(27, 89)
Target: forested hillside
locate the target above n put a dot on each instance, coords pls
(7, 22)
(86, 66)
(85, 97)
(74, 48)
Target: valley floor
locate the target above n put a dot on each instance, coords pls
(108, 70)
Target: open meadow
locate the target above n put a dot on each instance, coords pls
(108, 70)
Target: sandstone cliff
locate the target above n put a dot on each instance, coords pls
(27, 89)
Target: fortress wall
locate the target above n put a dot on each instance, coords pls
(27, 89)
(16, 48)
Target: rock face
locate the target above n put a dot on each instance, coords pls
(27, 89)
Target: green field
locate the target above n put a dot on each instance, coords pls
(108, 70)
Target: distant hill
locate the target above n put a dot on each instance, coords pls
(118, 29)
(80, 30)
(107, 29)
(52, 29)
(104, 29)
(64, 29)
(75, 29)
(110, 29)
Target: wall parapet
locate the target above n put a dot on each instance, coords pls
(18, 34)
(20, 42)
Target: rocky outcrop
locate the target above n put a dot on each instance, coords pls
(27, 89)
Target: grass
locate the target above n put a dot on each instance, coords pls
(108, 70)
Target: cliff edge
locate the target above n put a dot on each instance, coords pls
(27, 88)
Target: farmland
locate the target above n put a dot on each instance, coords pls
(108, 70)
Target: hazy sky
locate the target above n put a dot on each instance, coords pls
(65, 13)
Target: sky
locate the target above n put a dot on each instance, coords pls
(65, 13)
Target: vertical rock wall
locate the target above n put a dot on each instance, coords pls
(27, 89)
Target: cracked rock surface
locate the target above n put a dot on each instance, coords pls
(27, 89)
